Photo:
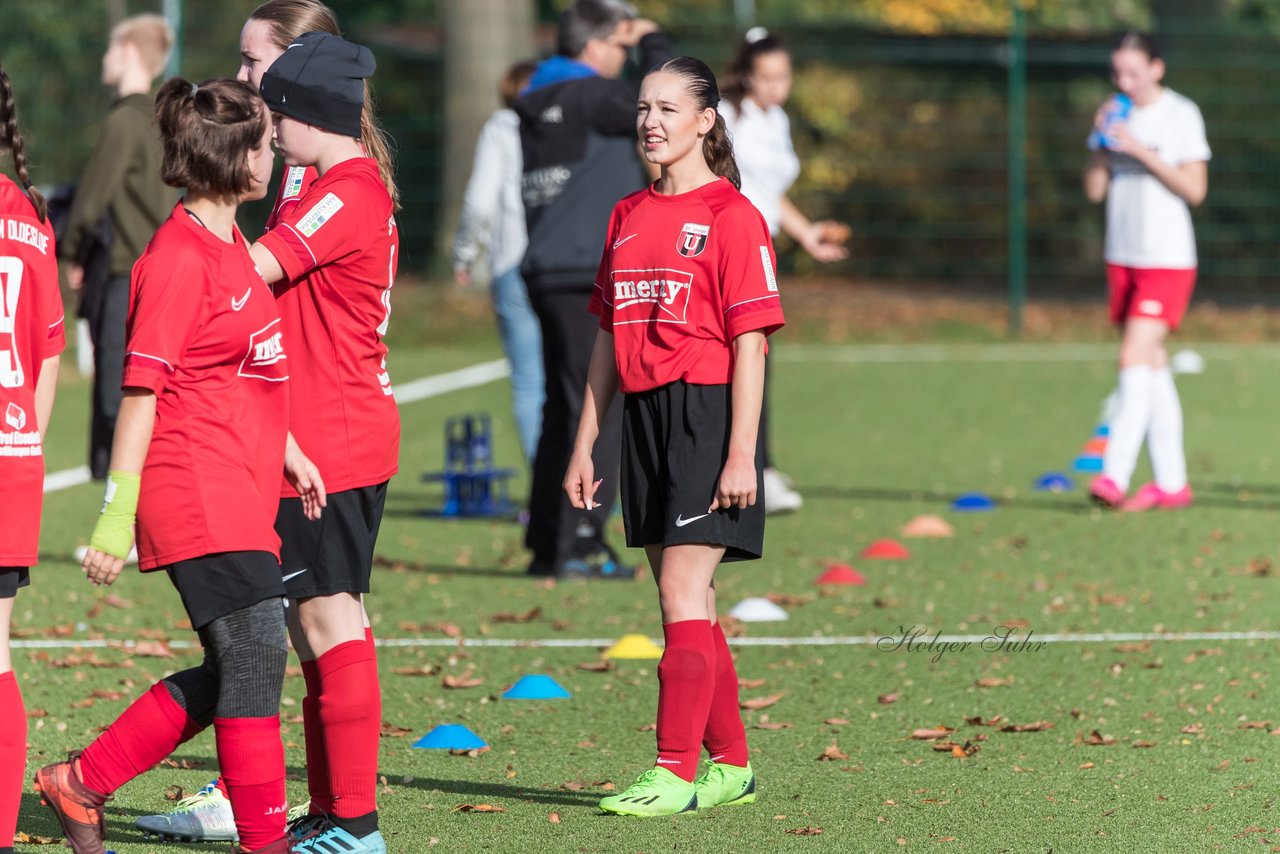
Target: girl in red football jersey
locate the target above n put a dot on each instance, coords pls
(31, 339)
(686, 295)
(332, 260)
(202, 434)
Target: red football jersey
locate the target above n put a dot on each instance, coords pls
(31, 330)
(681, 277)
(339, 247)
(205, 336)
(293, 186)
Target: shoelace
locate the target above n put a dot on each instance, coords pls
(646, 781)
(194, 802)
(302, 810)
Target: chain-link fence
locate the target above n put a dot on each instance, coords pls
(899, 111)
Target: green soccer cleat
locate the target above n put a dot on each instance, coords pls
(203, 817)
(725, 785)
(657, 792)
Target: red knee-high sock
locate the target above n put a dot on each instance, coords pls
(146, 732)
(13, 755)
(725, 737)
(684, 695)
(350, 720)
(317, 760)
(251, 756)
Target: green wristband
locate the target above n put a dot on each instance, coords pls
(113, 534)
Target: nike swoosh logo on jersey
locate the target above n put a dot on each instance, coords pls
(295, 574)
(237, 304)
(681, 521)
(618, 243)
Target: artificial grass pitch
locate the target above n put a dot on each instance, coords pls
(899, 737)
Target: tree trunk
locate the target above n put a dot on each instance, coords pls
(482, 38)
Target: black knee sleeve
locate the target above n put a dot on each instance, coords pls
(196, 690)
(251, 653)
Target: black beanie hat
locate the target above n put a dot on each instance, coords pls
(319, 79)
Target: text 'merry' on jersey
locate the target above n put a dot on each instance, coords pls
(339, 248)
(680, 278)
(31, 330)
(205, 336)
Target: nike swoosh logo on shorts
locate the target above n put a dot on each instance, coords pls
(295, 574)
(618, 243)
(681, 521)
(237, 304)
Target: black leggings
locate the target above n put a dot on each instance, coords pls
(242, 674)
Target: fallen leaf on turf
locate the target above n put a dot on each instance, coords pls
(424, 670)
(107, 694)
(473, 752)
(83, 704)
(647, 728)
(596, 666)
(151, 649)
(993, 682)
(477, 808)
(833, 754)
(37, 713)
(27, 839)
(1035, 726)
(788, 600)
(560, 625)
(1144, 646)
(760, 702)
(1097, 739)
(174, 793)
(1084, 766)
(770, 725)
(977, 720)
(605, 785)
(390, 730)
(837, 721)
(930, 734)
(114, 601)
(1196, 728)
(886, 699)
(1255, 725)
(184, 765)
(449, 630)
(463, 680)
(508, 617)
(572, 786)
(554, 818)
(959, 751)
(750, 683)
(805, 831)
(1141, 743)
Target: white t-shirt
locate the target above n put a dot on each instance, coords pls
(1147, 225)
(768, 162)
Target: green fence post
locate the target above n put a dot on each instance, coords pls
(173, 13)
(1017, 56)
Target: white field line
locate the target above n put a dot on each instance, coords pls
(890, 642)
(908, 354)
(410, 392)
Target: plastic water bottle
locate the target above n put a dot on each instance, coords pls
(1115, 111)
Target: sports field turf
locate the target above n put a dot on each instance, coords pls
(1186, 760)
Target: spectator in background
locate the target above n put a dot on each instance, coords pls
(756, 88)
(493, 220)
(122, 182)
(577, 133)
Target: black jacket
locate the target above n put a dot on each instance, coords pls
(579, 143)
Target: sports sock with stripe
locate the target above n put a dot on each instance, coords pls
(1129, 426)
(350, 711)
(251, 756)
(725, 737)
(13, 756)
(151, 728)
(685, 687)
(1164, 436)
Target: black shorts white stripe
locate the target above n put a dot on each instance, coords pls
(333, 554)
(674, 444)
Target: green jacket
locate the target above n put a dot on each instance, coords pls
(122, 178)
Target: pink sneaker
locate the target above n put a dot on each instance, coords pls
(1152, 497)
(1105, 491)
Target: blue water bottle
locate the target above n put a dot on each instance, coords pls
(1116, 110)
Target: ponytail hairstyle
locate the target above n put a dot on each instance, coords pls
(700, 83)
(290, 19)
(11, 139)
(1139, 41)
(208, 131)
(756, 43)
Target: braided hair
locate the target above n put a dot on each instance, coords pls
(11, 139)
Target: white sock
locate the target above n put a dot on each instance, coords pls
(1164, 436)
(1129, 426)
